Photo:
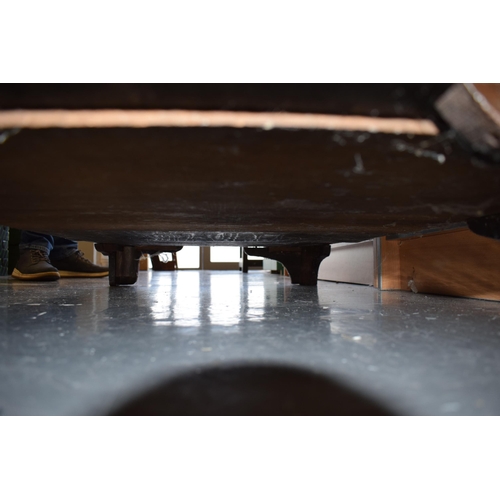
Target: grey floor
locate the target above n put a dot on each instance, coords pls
(81, 347)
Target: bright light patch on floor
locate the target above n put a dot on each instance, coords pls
(224, 304)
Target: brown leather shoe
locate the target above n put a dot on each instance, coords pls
(34, 265)
(77, 266)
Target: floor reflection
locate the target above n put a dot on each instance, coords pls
(68, 344)
(225, 299)
(177, 301)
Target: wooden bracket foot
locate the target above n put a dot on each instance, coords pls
(123, 263)
(301, 262)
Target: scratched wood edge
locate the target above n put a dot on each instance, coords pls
(456, 263)
(112, 118)
(390, 271)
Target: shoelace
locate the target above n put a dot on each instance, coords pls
(79, 255)
(38, 255)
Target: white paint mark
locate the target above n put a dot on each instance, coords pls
(419, 152)
(359, 168)
(412, 286)
(339, 139)
(8, 134)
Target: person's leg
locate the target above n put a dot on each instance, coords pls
(62, 248)
(34, 263)
(38, 241)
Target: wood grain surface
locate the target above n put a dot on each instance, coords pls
(222, 185)
(457, 263)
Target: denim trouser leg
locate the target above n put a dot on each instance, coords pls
(58, 248)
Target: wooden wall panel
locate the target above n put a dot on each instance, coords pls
(457, 263)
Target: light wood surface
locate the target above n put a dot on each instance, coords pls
(390, 278)
(457, 263)
(106, 118)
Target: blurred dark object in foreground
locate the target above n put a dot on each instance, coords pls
(251, 390)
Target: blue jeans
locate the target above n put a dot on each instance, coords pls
(57, 248)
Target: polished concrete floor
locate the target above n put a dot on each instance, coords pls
(81, 347)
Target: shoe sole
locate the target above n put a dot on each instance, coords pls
(74, 274)
(47, 276)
